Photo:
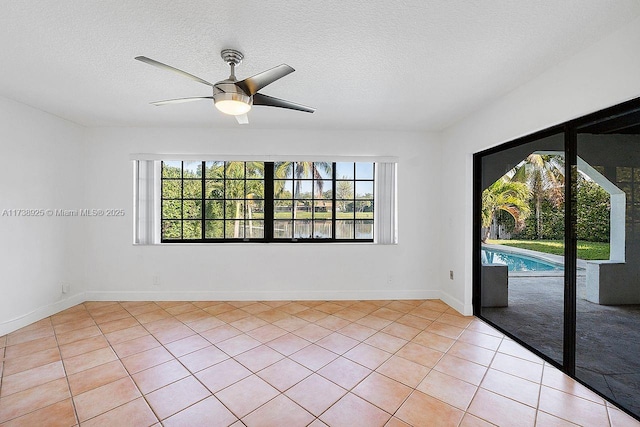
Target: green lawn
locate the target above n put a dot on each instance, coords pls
(324, 215)
(586, 250)
(318, 215)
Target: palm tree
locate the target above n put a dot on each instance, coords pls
(508, 196)
(235, 189)
(544, 174)
(301, 170)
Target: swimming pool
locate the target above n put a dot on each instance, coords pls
(517, 262)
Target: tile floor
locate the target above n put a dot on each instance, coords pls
(301, 363)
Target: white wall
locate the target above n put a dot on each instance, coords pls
(116, 269)
(51, 163)
(602, 75)
(42, 168)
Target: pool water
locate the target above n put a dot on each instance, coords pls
(515, 262)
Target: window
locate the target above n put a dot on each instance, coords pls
(212, 200)
(220, 201)
(354, 198)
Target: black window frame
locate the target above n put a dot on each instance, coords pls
(268, 207)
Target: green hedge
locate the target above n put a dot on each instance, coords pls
(594, 206)
(593, 216)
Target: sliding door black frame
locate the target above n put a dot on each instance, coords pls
(570, 130)
(477, 237)
(570, 250)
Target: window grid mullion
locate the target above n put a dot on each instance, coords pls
(182, 200)
(202, 202)
(353, 229)
(224, 200)
(269, 201)
(334, 205)
(313, 202)
(244, 203)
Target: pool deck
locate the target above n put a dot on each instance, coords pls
(607, 338)
(608, 341)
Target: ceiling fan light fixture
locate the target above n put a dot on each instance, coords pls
(233, 97)
(233, 104)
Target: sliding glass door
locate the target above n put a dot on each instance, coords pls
(522, 241)
(608, 212)
(557, 247)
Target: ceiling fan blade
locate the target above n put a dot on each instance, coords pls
(242, 119)
(170, 68)
(253, 84)
(270, 101)
(181, 100)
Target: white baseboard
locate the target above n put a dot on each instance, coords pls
(40, 313)
(395, 294)
(270, 295)
(456, 304)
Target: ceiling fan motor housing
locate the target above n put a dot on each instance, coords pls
(226, 90)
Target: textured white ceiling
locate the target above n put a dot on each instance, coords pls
(364, 64)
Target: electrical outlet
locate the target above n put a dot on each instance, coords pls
(389, 279)
(156, 281)
(66, 288)
(451, 274)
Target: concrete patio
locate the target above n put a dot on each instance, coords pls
(608, 341)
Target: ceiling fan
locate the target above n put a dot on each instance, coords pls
(235, 97)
